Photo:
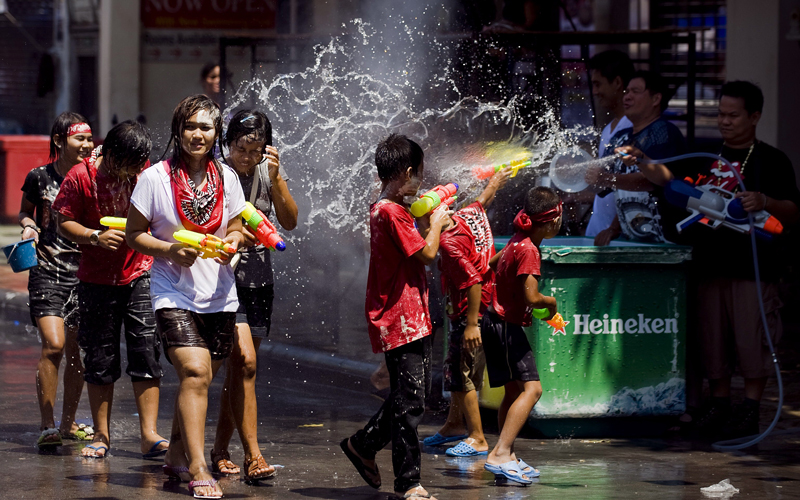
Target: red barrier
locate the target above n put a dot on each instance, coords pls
(19, 154)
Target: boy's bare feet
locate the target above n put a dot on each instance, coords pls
(418, 492)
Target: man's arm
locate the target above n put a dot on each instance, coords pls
(110, 239)
(439, 219)
(783, 210)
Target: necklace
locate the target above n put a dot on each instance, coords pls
(741, 167)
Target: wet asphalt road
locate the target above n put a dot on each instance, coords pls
(304, 411)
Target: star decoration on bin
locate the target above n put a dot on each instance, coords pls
(558, 324)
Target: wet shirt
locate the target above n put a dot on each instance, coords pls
(397, 288)
(87, 195)
(55, 253)
(465, 254)
(255, 268)
(646, 216)
(520, 258)
(723, 252)
(206, 286)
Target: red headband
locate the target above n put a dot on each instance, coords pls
(79, 128)
(524, 222)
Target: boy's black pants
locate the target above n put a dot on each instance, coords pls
(397, 420)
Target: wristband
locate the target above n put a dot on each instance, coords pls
(26, 226)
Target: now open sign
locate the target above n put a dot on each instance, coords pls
(209, 14)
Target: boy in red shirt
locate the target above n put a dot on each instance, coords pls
(509, 357)
(114, 286)
(397, 316)
(466, 249)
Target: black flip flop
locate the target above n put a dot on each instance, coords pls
(359, 465)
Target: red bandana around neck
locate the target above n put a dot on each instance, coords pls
(200, 210)
(524, 222)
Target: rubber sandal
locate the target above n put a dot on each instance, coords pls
(258, 463)
(155, 452)
(45, 441)
(464, 449)
(510, 471)
(84, 433)
(174, 472)
(203, 482)
(360, 466)
(223, 457)
(96, 449)
(528, 470)
(413, 495)
(437, 439)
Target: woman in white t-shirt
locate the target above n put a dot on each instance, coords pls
(194, 299)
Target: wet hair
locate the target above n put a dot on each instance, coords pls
(253, 125)
(61, 128)
(185, 110)
(207, 69)
(749, 92)
(612, 64)
(539, 200)
(395, 154)
(656, 84)
(127, 145)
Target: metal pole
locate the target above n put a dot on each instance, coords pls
(223, 70)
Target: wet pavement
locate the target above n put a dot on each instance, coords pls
(309, 400)
(305, 410)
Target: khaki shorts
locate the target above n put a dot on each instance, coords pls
(463, 368)
(731, 329)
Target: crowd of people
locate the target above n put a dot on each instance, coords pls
(200, 310)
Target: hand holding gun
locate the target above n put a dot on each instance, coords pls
(713, 206)
(482, 173)
(557, 321)
(437, 198)
(262, 228)
(209, 246)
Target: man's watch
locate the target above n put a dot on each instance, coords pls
(94, 238)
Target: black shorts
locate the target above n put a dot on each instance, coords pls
(255, 309)
(104, 309)
(212, 331)
(508, 352)
(52, 294)
(463, 368)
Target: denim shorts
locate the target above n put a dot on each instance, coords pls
(104, 310)
(52, 294)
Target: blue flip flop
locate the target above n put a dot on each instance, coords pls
(464, 449)
(155, 452)
(532, 472)
(96, 449)
(509, 470)
(437, 439)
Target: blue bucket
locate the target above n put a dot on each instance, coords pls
(22, 255)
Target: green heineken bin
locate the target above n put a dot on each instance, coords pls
(622, 353)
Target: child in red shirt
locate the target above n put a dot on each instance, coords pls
(466, 249)
(509, 357)
(397, 316)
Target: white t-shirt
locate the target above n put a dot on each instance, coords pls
(205, 287)
(604, 209)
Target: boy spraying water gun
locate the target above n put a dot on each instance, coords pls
(397, 317)
(509, 356)
(466, 249)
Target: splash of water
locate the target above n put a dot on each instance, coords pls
(327, 121)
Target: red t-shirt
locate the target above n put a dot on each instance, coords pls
(465, 254)
(397, 288)
(520, 258)
(87, 195)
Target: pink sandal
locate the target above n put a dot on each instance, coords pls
(203, 482)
